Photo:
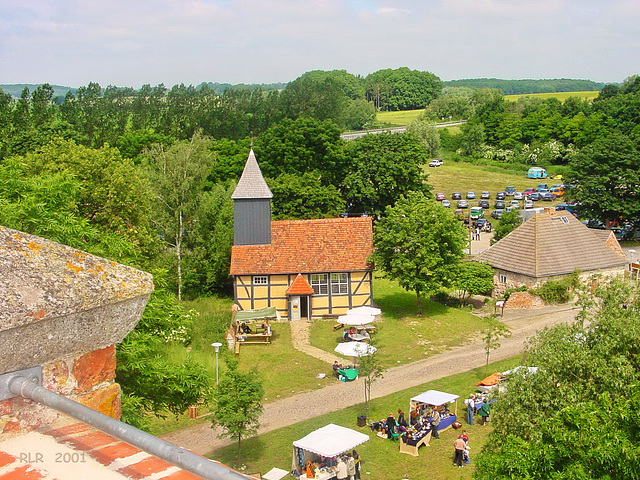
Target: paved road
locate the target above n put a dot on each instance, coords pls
(523, 324)
(354, 135)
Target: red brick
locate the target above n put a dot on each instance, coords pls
(26, 472)
(55, 376)
(68, 430)
(90, 441)
(182, 475)
(107, 455)
(105, 400)
(11, 427)
(6, 459)
(94, 368)
(6, 407)
(145, 468)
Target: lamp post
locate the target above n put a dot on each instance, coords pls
(217, 346)
(632, 252)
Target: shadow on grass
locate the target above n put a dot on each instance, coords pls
(397, 305)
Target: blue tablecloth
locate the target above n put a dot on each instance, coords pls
(447, 422)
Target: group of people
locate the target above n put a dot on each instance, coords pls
(461, 450)
(348, 333)
(421, 422)
(478, 403)
(345, 466)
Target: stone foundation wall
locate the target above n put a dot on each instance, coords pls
(86, 378)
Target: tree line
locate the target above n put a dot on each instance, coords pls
(516, 87)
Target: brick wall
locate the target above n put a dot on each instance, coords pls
(85, 378)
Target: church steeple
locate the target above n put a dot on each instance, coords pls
(252, 206)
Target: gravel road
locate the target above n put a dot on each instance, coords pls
(202, 439)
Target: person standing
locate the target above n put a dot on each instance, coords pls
(471, 405)
(435, 421)
(351, 467)
(401, 421)
(391, 425)
(485, 411)
(459, 446)
(356, 459)
(341, 473)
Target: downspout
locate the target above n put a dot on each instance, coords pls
(24, 387)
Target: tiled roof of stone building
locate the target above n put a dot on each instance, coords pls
(251, 183)
(79, 452)
(300, 286)
(306, 246)
(552, 243)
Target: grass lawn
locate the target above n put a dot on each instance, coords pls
(380, 457)
(562, 96)
(399, 119)
(402, 335)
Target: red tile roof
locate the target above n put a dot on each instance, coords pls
(299, 287)
(305, 246)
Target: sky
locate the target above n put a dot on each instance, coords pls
(136, 42)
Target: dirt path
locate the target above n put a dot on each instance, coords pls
(523, 324)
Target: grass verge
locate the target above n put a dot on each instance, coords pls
(380, 458)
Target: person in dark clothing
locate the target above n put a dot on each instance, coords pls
(401, 421)
(391, 424)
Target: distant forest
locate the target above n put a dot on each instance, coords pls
(508, 87)
(518, 87)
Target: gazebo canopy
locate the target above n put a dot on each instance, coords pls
(331, 440)
(434, 397)
(355, 319)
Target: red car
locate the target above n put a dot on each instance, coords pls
(440, 196)
(529, 191)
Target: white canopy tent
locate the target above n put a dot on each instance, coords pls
(435, 397)
(355, 349)
(331, 440)
(355, 319)
(364, 311)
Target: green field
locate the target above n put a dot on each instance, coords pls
(562, 96)
(398, 119)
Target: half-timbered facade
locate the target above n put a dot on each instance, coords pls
(308, 268)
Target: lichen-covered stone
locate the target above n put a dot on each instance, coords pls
(56, 301)
(56, 377)
(105, 400)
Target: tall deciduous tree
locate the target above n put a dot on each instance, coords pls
(579, 415)
(417, 243)
(427, 134)
(178, 174)
(383, 168)
(607, 173)
(472, 278)
(238, 404)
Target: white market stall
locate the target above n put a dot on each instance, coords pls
(365, 310)
(426, 401)
(328, 442)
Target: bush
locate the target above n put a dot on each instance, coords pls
(508, 292)
(558, 291)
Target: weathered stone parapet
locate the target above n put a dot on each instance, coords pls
(63, 310)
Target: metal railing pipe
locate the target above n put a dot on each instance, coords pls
(203, 467)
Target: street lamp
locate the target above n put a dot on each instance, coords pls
(632, 252)
(217, 346)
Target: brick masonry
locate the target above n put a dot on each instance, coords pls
(86, 378)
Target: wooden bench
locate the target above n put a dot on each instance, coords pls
(337, 327)
(413, 449)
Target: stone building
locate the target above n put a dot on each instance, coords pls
(548, 246)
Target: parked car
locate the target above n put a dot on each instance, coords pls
(542, 186)
(535, 196)
(510, 190)
(485, 194)
(501, 195)
(471, 195)
(484, 204)
(463, 204)
(497, 213)
(514, 204)
(436, 163)
(476, 212)
(528, 191)
(557, 191)
(456, 196)
(508, 209)
(446, 203)
(528, 203)
(518, 196)
(440, 196)
(548, 197)
(499, 204)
